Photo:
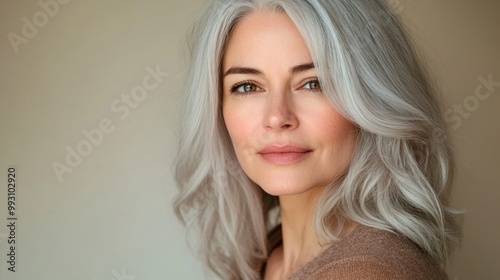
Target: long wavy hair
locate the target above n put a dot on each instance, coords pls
(400, 174)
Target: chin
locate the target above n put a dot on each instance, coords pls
(288, 188)
(281, 191)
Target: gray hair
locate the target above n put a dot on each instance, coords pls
(400, 175)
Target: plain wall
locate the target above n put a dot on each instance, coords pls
(462, 41)
(109, 216)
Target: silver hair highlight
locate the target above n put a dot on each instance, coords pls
(400, 175)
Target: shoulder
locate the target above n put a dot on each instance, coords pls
(272, 269)
(369, 253)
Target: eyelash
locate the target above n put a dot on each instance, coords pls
(234, 88)
(315, 80)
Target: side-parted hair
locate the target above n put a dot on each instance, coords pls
(400, 176)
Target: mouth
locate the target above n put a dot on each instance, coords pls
(284, 154)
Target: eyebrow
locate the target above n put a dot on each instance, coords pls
(254, 71)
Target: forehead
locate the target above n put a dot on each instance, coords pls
(263, 37)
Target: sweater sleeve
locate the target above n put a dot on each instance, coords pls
(357, 268)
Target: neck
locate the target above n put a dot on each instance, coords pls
(300, 241)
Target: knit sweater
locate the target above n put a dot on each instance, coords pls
(371, 254)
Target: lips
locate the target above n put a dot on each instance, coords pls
(284, 154)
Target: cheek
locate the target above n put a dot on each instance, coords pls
(340, 130)
(238, 125)
(337, 134)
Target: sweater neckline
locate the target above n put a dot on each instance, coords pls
(323, 255)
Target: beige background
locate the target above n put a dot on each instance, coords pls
(110, 218)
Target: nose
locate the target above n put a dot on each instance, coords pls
(280, 113)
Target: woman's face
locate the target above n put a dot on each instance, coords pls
(286, 135)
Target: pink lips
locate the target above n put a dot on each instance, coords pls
(284, 155)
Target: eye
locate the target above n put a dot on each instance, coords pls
(245, 88)
(313, 85)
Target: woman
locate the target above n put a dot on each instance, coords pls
(313, 146)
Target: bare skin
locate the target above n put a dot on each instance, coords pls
(287, 136)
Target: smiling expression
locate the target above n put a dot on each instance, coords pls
(286, 134)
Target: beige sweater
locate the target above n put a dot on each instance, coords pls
(371, 254)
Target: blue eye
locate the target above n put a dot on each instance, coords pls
(244, 88)
(313, 85)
